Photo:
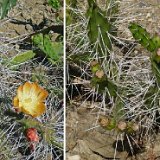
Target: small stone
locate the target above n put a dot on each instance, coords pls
(81, 110)
(28, 27)
(75, 157)
(148, 15)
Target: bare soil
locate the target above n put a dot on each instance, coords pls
(26, 18)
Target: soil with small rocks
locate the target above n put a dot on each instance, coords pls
(25, 19)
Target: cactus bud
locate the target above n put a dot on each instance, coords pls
(93, 63)
(103, 121)
(100, 73)
(135, 127)
(122, 125)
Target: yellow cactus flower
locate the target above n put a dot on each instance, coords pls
(30, 99)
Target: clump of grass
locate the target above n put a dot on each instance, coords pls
(54, 3)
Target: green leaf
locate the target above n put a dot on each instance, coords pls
(95, 68)
(143, 37)
(54, 4)
(71, 3)
(23, 57)
(31, 123)
(102, 83)
(70, 15)
(112, 124)
(152, 44)
(58, 48)
(78, 58)
(53, 50)
(5, 6)
(156, 41)
(98, 28)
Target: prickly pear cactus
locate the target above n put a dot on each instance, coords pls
(98, 28)
(142, 36)
(151, 43)
(101, 81)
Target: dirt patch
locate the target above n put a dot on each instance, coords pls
(25, 19)
(87, 140)
(30, 16)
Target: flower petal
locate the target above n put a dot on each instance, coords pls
(16, 104)
(35, 90)
(15, 101)
(39, 109)
(27, 88)
(43, 95)
(26, 111)
(30, 98)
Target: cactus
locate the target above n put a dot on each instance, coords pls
(132, 99)
(98, 28)
(13, 124)
(53, 50)
(23, 57)
(143, 37)
(100, 80)
(100, 25)
(112, 123)
(70, 15)
(151, 43)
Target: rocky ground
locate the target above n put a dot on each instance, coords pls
(86, 140)
(25, 19)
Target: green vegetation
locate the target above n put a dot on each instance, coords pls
(54, 3)
(6, 6)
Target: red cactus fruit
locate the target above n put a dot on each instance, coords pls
(32, 135)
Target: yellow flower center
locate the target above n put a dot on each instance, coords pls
(28, 100)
